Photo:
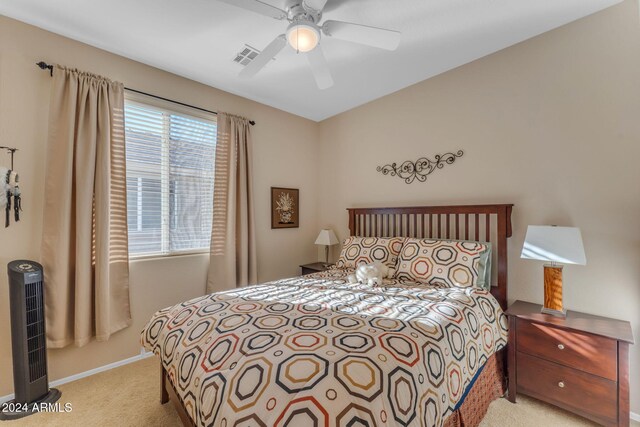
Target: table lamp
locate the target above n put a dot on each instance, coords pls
(327, 238)
(558, 245)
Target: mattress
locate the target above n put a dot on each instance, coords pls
(317, 350)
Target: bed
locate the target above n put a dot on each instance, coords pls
(319, 350)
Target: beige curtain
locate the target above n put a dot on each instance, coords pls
(84, 237)
(233, 247)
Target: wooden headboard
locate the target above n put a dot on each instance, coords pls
(481, 223)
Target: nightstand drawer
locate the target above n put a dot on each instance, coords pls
(315, 267)
(586, 394)
(306, 271)
(589, 353)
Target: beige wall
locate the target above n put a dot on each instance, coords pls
(285, 155)
(551, 125)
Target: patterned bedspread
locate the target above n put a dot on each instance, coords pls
(318, 351)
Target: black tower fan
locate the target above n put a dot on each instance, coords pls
(28, 340)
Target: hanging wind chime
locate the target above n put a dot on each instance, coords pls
(9, 190)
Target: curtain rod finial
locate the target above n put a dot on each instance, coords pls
(43, 65)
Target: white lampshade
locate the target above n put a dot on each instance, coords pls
(327, 237)
(555, 244)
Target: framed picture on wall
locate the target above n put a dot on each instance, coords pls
(285, 207)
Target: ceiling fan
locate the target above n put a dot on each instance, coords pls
(305, 31)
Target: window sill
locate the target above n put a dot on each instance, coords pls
(165, 256)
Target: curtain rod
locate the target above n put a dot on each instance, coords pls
(44, 66)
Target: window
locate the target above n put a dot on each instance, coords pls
(170, 170)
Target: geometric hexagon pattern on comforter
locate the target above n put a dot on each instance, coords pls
(319, 351)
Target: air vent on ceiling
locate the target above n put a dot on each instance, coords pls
(246, 55)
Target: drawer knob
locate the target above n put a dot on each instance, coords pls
(561, 346)
(561, 384)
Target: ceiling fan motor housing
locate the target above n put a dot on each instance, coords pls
(297, 10)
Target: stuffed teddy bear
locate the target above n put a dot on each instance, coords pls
(371, 274)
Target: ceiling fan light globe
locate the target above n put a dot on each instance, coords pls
(303, 37)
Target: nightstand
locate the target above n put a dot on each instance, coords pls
(579, 363)
(313, 268)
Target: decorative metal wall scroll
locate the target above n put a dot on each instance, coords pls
(421, 168)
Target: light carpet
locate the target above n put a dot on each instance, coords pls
(130, 396)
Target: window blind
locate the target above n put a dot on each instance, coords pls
(170, 172)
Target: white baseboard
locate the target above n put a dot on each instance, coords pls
(142, 355)
(634, 416)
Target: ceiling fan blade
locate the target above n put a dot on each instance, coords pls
(314, 5)
(258, 7)
(363, 34)
(264, 57)
(320, 68)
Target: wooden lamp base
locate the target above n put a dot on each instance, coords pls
(553, 291)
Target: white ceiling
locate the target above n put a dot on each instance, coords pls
(198, 39)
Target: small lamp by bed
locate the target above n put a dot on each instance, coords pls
(327, 238)
(558, 245)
